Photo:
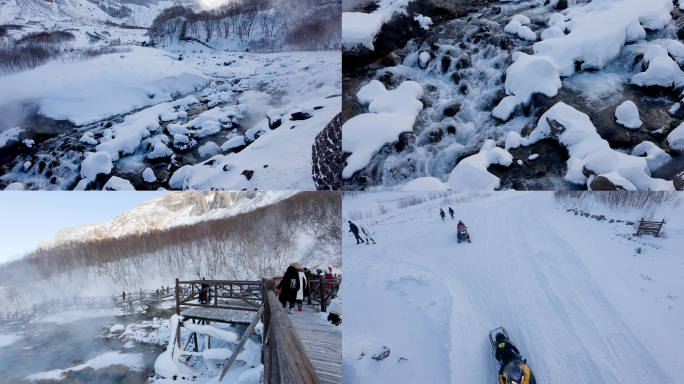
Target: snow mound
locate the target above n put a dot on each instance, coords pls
(424, 21)
(676, 138)
(662, 70)
(470, 174)
(95, 164)
(16, 186)
(627, 114)
(118, 184)
(655, 156)
(361, 28)
(102, 87)
(391, 114)
(590, 155)
(675, 49)
(552, 33)
(148, 175)
(209, 149)
(597, 33)
(517, 27)
(528, 75)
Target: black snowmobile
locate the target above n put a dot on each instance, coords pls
(462, 235)
(515, 371)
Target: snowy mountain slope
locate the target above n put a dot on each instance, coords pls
(577, 299)
(170, 210)
(123, 12)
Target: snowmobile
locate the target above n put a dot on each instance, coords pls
(515, 371)
(462, 235)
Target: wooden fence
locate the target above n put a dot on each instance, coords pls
(322, 291)
(649, 228)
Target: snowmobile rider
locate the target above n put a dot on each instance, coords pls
(461, 225)
(451, 212)
(442, 214)
(354, 229)
(505, 352)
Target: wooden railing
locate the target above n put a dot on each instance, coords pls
(223, 293)
(322, 291)
(649, 228)
(282, 352)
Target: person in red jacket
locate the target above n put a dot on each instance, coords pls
(461, 225)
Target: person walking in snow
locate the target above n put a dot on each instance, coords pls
(124, 295)
(303, 283)
(366, 233)
(289, 286)
(451, 212)
(355, 230)
(442, 214)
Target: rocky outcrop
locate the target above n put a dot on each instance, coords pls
(678, 181)
(326, 153)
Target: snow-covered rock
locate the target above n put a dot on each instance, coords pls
(528, 74)
(552, 33)
(391, 113)
(655, 156)
(209, 149)
(470, 173)
(148, 175)
(662, 70)
(88, 138)
(235, 142)
(360, 28)
(118, 184)
(675, 49)
(676, 138)
(16, 186)
(424, 21)
(95, 164)
(159, 148)
(8, 135)
(627, 115)
(517, 26)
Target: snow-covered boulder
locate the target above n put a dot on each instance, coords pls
(95, 164)
(655, 156)
(676, 138)
(88, 138)
(118, 184)
(627, 115)
(360, 28)
(662, 70)
(553, 32)
(391, 113)
(148, 175)
(675, 49)
(591, 155)
(209, 149)
(159, 149)
(470, 173)
(234, 143)
(527, 75)
(424, 21)
(517, 26)
(425, 56)
(16, 186)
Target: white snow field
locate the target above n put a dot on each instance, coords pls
(584, 300)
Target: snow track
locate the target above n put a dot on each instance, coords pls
(525, 271)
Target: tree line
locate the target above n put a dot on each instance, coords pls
(304, 227)
(301, 25)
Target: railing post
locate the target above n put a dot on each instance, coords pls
(323, 307)
(177, 299)
(215, 294)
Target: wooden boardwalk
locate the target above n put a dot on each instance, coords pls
(322, 341)
(222, 315)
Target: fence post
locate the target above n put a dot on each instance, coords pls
(177, 299)
(323, 307)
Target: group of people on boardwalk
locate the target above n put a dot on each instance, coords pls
(294, 286)
(353, 228)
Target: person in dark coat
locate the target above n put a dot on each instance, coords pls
(442, 214)
(290, 285)
(354, 229)
(451, 212)
(505, 351)
(124, 295)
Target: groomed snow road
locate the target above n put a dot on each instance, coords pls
(571, 291)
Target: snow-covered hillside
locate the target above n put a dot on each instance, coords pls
(170, 210)
(135, 13)
(583, 299)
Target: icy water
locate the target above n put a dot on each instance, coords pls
(45, 347)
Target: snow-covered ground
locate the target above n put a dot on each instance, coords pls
(197, 118)
(584, 300)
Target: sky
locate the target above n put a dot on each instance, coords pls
(29, 217)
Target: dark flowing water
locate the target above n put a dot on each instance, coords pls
(48, 346)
